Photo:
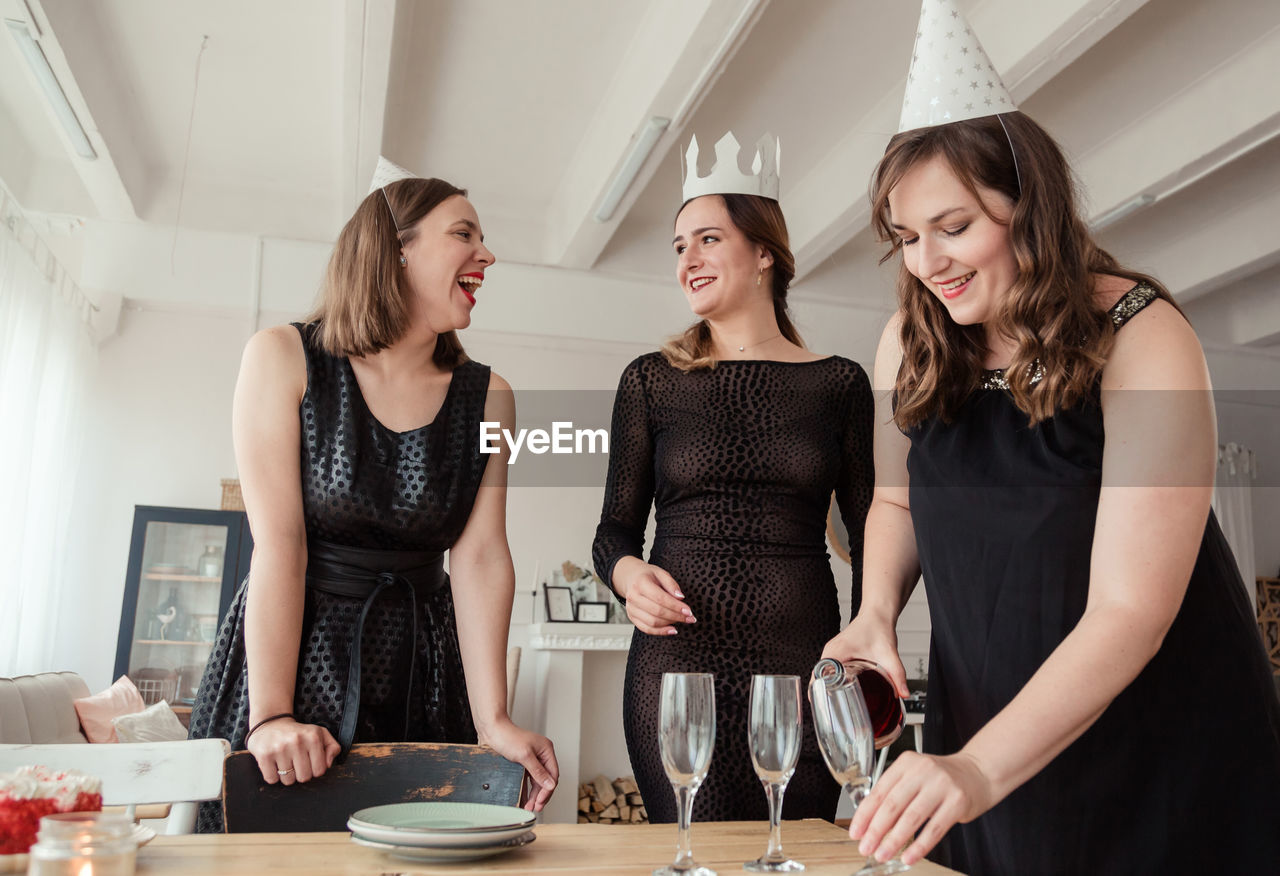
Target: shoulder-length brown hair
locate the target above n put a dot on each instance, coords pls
(1050, 312)
(760, 220)
(364, 300)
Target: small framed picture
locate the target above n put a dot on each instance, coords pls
(559, 603)
(593, 612)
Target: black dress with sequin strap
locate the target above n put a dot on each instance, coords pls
(1179, 774)
(379, 658)
(740, 462)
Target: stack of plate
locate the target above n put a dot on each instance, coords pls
(442, 831)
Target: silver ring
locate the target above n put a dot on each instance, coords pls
(285, 772)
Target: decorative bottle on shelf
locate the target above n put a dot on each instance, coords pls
(210, 563)
(167, 613)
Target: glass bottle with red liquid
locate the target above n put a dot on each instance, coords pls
(884, 706)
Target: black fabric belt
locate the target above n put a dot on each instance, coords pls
(361, 573)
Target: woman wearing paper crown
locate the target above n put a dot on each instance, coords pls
(1099, 701)
(739, 435)
(355, 437)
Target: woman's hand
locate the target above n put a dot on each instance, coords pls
(532, 751)
(290, 752)
(870, 638)
(654, 600)
(920, 792)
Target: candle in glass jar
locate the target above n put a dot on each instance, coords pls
(84, 844)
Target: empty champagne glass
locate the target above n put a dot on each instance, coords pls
(847, 740)
(686, 736)
(773, 732)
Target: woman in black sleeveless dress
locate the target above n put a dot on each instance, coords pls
(738, 435)
(357, 442)
(1099, 700)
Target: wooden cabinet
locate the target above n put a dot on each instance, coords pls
(184, 567)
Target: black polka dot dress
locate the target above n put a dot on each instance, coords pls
(391, 495)
(740, 462)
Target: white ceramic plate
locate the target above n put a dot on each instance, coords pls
(457, 853)
(439, 825)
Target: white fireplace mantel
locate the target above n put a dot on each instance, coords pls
(561, 649)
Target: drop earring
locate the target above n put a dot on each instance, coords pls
(404, 262)
(759, 276)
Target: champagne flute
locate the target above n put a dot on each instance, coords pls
(773, 733)
(847, 741)
(686, 736)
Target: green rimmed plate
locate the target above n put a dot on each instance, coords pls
(440, 824)
(448, 853)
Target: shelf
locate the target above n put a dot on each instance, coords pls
(201, 579)
(577, 636)
(167, 642)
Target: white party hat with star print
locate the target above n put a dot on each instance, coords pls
(951, 78)
(386, 173)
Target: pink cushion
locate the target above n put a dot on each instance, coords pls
(96, 712)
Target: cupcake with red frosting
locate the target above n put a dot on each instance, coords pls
(33, 792)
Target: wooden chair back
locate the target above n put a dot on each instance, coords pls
(370, 774)
(136, 773)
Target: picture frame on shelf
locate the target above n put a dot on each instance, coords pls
(559, 604)
(593, 612)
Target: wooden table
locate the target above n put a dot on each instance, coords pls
(596, 849)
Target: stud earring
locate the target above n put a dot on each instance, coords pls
(404, 262)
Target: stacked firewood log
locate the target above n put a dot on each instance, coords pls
(601, 801)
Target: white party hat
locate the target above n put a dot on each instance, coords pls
(725, 178)
(951, 78)
(386, 173)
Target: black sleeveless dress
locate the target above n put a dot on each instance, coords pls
(379, 658)
(1181, 773)
(741, 462)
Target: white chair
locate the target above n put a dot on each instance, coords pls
(182, 773)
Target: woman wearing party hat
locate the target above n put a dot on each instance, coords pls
(1099, 701)
(355, 436)
(739, 435)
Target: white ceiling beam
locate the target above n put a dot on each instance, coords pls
(1198, 129)
(678, 52)
(1226, 244)
(1254, 311)
(1031, 42)
(364, 34)
(71, 38)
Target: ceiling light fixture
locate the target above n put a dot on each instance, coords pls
(641, 146)
(52, 89)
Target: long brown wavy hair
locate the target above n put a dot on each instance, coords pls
(760, 220)
(364, 300)
(1050, 312)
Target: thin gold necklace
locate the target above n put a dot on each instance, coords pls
(743, 347)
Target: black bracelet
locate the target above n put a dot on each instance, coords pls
(264, 721)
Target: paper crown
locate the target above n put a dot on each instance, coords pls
(951, 78)
(386, 173)
(725, 178)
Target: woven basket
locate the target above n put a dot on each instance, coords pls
(231, 498)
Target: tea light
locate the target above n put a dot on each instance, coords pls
(84, 844)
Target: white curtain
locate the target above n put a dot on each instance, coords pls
(1233, 503)
(46, 357)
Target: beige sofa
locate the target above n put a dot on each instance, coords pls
(40, 708)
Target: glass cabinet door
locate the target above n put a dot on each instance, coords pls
(181, 565)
